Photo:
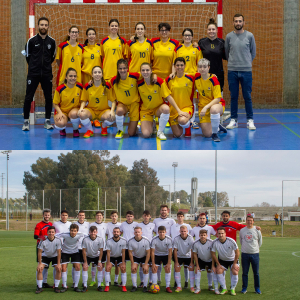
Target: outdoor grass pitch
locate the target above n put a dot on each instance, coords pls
(279, 274)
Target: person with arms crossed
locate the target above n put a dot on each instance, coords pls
(251, 241)
(40, 53)
(202, 225)
(240, 49)
(139, 254)
(228, 257)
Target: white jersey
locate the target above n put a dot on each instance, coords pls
(84, 228)
(116, 247)
(203, 250)
(92, 246)
(50, 247)
(183, 246)
(147, 230)
(167, 222)
(70, 244)
(62, 226)
(128, 230)
(101, 228)
(196, 230)
(139, 248)
(161, 246)
(226, 250)
(175, 230)
(110, 228)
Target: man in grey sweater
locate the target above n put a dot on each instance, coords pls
(240, 50)
(251, 241)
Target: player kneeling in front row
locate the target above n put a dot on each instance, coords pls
(97, 95)
(139, 253)
(161, 253)
(183, 256)
(49, 251)
(211, 104)
(91, 246)
(228, 258)
(202, 257)
(115, 256)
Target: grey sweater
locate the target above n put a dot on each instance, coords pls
(251, 240)
(240, 50)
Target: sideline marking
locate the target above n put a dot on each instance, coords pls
(286, 126)
(16, 247)
(294, 253)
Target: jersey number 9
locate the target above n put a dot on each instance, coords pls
(150, 97)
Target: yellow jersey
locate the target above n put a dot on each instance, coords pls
(152, 95)
(126, 90)
(70, 57)
(191, 56)
(91, 57)
(163, 56)
(138, 53)
(67, 98)
(112, 51)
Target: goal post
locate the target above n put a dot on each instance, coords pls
(179, 14)
(236, 214)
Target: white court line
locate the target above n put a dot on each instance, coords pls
(16, 247)
(294, 253)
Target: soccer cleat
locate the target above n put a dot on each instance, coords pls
(87, 135)
(192, 290)
(119, 134)
(215, 137)
(97, 124)
(178, 289)
(79, 126)
(73, 285)
(175, 285)
(104, 131)
(99, 288)
(244, 291)
(63, 289)
(145, 289)
(210, 288)
(116, 283)
(187, 132)
(106, 289)
(25, 126)
(217, 292)
(168, 124)
(75, 133)
(168, 290)
(149, 284)
(92, 283)
(186, 284)
(195, 125)
(223, 292)
(48, 125)
(102, 284)
(134, 289)
(161, 136)
(76, 289)
(232, 291)
(197, 291)
(46, 285)
(257, 291)
(85, 289)
(56, 290)
(62, 132)
(222, 128)
(232, 124)
(124, 288)
(141, 285)
(250, 125)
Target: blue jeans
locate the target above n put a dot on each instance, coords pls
(254, 260)
(245, 78)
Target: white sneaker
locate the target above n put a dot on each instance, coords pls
(26, 125)
(161, 136)
(250, 125)
(197, 291)
(232, 124)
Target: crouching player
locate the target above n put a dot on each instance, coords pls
(228, 258)
(92, 252)
(49, 251)
(139, 253)
(211, 104)
(202, 257)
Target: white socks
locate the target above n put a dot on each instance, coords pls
(75, 123)
(94, 269)
(221, 280)
(141, 274)
(194, 114)
(54, 273)
(197, 279)
(145, 279)
(116, 278)
(210, 278)
(40, 283)
(186, 274)
(59, 128)
(178, 278)
(215, 278)
(159, 273)
(107, 278)
(192, 279)
(168, 279)
(187, 125)
(73, 274)
(215, 122)
(150, 274)
(163, 120)
(124, 278)
(134, 279)
(234, 281)
(64, 278)
(76, 278)
(106, 123)
(56, 282)
(84, 278)
(87, 124)
(45, 275)
(154, 278)
(100, 277)
(120, 122)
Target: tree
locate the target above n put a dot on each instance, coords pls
(208, 202)
(265, 204)
(223, 199)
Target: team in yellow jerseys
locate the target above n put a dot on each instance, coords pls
(146, 78)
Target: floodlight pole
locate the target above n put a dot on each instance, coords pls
(175, 165)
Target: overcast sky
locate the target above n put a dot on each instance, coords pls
(249, 176)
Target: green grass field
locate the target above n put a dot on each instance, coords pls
(279, 273)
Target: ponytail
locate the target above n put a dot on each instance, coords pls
(86, 33)
(67, 38)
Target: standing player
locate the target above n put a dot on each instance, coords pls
(202, 258)
(63, 225)
(49, 251)
(202, 225)
(92, 252)
(40, 233)
(183, 255)
(161, 253)
(228, 257)
(139, 254)
(66, 102)
(40, 54)
(116, 247)
(69, 55)
(163, 220)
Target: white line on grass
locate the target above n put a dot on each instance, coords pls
(16, 247)
(294, 253)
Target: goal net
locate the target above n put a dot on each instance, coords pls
(236, 214)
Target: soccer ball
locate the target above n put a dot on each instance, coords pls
(154, 288)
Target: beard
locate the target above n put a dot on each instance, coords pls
(43, 31)
(238, 27)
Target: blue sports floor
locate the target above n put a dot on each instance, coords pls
(276, 130)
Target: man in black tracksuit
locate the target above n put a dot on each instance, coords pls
(40, 52)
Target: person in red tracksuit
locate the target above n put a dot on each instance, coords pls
(40, 233)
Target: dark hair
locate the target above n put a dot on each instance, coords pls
(179, 59)
(139, 23)
(212, 22)
(180, 213)
(226, 212)
(103, 82)
(146, 212)
(129, 212)
(116, 20)
(166, 25)
(64, 212)
(74, 226)
(68, 37)
(67, 73)
(221, 228)
(43, 19)
(202, 231)
(249, 216)
(93, 228)
(161, 228)
(51, 227)
(81, 211)
(86, 33)
(202, 214)
(99, 212)
(114, 212)
(151, 76)
(46, 210)
(187, 29)
(238, 15)
(119, 62)
(164, 205)
(117, 228)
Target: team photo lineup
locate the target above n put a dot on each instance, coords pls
(147, 247)
(158, 80)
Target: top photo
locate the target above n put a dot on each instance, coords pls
(150, 75)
